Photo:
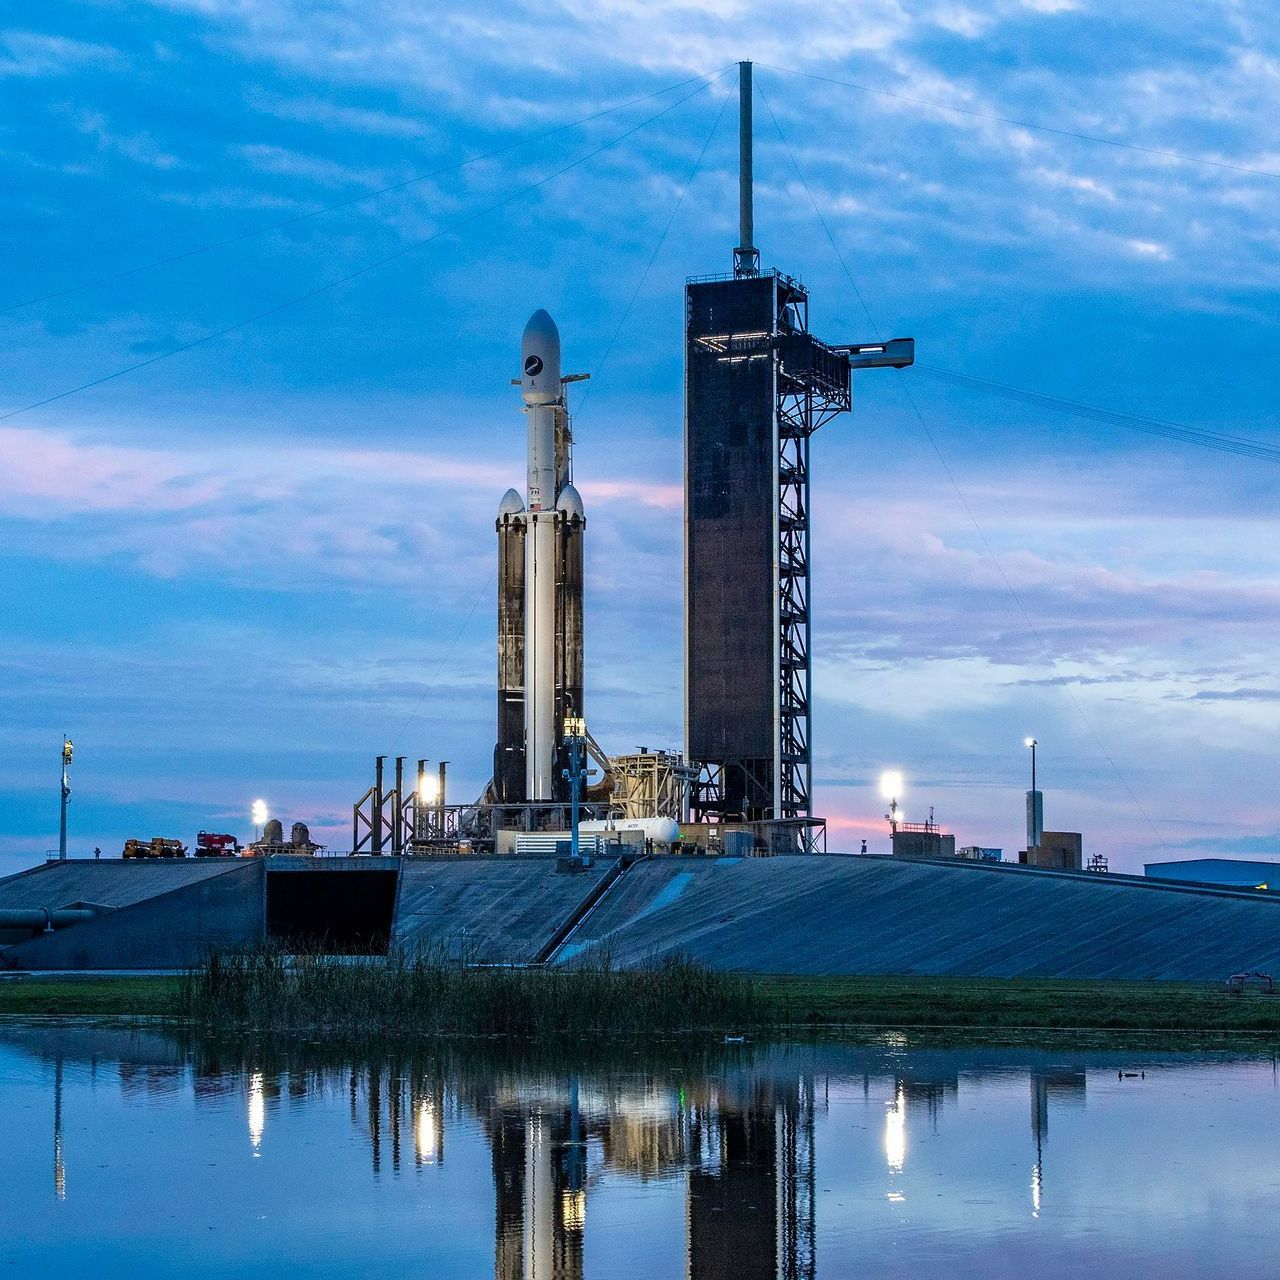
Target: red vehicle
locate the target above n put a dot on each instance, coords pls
(214, 844)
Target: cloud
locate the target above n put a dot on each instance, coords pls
(1235, 695)
(33, 54)
(283, 511)
(1242, 846)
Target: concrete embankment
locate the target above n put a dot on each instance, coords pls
(798, 915)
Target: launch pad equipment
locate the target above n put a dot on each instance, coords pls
(215, 844)
(758, 384)
(156, 847)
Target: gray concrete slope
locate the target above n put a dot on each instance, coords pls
(492, 910)
(834, 915)
(110, 882)
(173, 930)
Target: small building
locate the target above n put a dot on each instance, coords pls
(1234, 872)
(922, 840)
(1057, 851)
(979, 853)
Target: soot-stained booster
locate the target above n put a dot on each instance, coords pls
(539, 587)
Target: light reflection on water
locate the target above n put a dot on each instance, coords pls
(798, 1162)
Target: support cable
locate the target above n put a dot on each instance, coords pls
(352, 275)
(349, 203)
(1256, 449)
(968, 510)
(653, 257)
(1159, 152)
(466, 622)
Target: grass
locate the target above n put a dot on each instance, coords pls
(89, 995)
(421, 995)
(418, 997)
(1022, 1004)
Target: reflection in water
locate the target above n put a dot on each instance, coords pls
(257, 1111)
(1063, 1085)
(428, 1134)
(59, 1164)
(895, 1132)
(735, 1138)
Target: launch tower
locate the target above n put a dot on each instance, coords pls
(758, 384)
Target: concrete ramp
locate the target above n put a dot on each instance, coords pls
(112, 882)
(852, 915)
(173, 930)
(489, 910)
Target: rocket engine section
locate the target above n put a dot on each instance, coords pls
(539, 587)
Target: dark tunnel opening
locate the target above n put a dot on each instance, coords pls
(338, 912)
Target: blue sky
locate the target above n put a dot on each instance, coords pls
(247, 569)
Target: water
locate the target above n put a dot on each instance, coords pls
(135, 1154)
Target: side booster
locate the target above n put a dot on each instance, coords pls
(539, 588)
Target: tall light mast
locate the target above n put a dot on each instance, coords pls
(67, 750)
(1035, 804)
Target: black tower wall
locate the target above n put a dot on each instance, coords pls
(730, 539)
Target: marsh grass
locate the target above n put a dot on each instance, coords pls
(418, 994)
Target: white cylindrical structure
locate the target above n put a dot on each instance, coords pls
(540, 655)
(542, 457)
(540, 389)
(659, 830)
(540, 593)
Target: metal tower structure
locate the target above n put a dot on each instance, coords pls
(758, 384)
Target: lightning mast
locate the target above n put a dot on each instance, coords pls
(758, 384)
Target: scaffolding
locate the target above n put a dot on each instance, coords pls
(651, 784)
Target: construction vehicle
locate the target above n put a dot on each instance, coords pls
(217, 844)
(156, 847)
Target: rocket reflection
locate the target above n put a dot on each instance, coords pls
(739, 1143)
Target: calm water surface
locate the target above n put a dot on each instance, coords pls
(136, 1154)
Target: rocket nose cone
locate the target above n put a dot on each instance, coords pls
(542, 326)
(570, 503)
(511, 505)
(540, 360)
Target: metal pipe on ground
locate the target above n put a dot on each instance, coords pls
(44, 919)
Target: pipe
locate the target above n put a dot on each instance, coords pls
(397, 823)
(44, 919)
(375, 833)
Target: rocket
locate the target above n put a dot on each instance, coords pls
(539, 587)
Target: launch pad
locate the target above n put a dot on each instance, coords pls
(758, 384)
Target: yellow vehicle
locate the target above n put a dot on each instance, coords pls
(156, 847)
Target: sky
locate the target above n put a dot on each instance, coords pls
(245, 569)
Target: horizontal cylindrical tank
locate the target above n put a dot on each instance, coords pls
(659, 830)
(300, 835)
(273, 832)
(40, 918)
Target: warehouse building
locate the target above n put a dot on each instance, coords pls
(1235, 872)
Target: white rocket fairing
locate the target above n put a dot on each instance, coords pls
(540, 585)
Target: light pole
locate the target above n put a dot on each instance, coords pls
(890, 787)
(259, 815)
(67, 750)
(1035, 803)
(575, 733)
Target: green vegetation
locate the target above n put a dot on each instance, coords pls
(91, 995)
(421, 995)
(260, 991)
(1016, 1004)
